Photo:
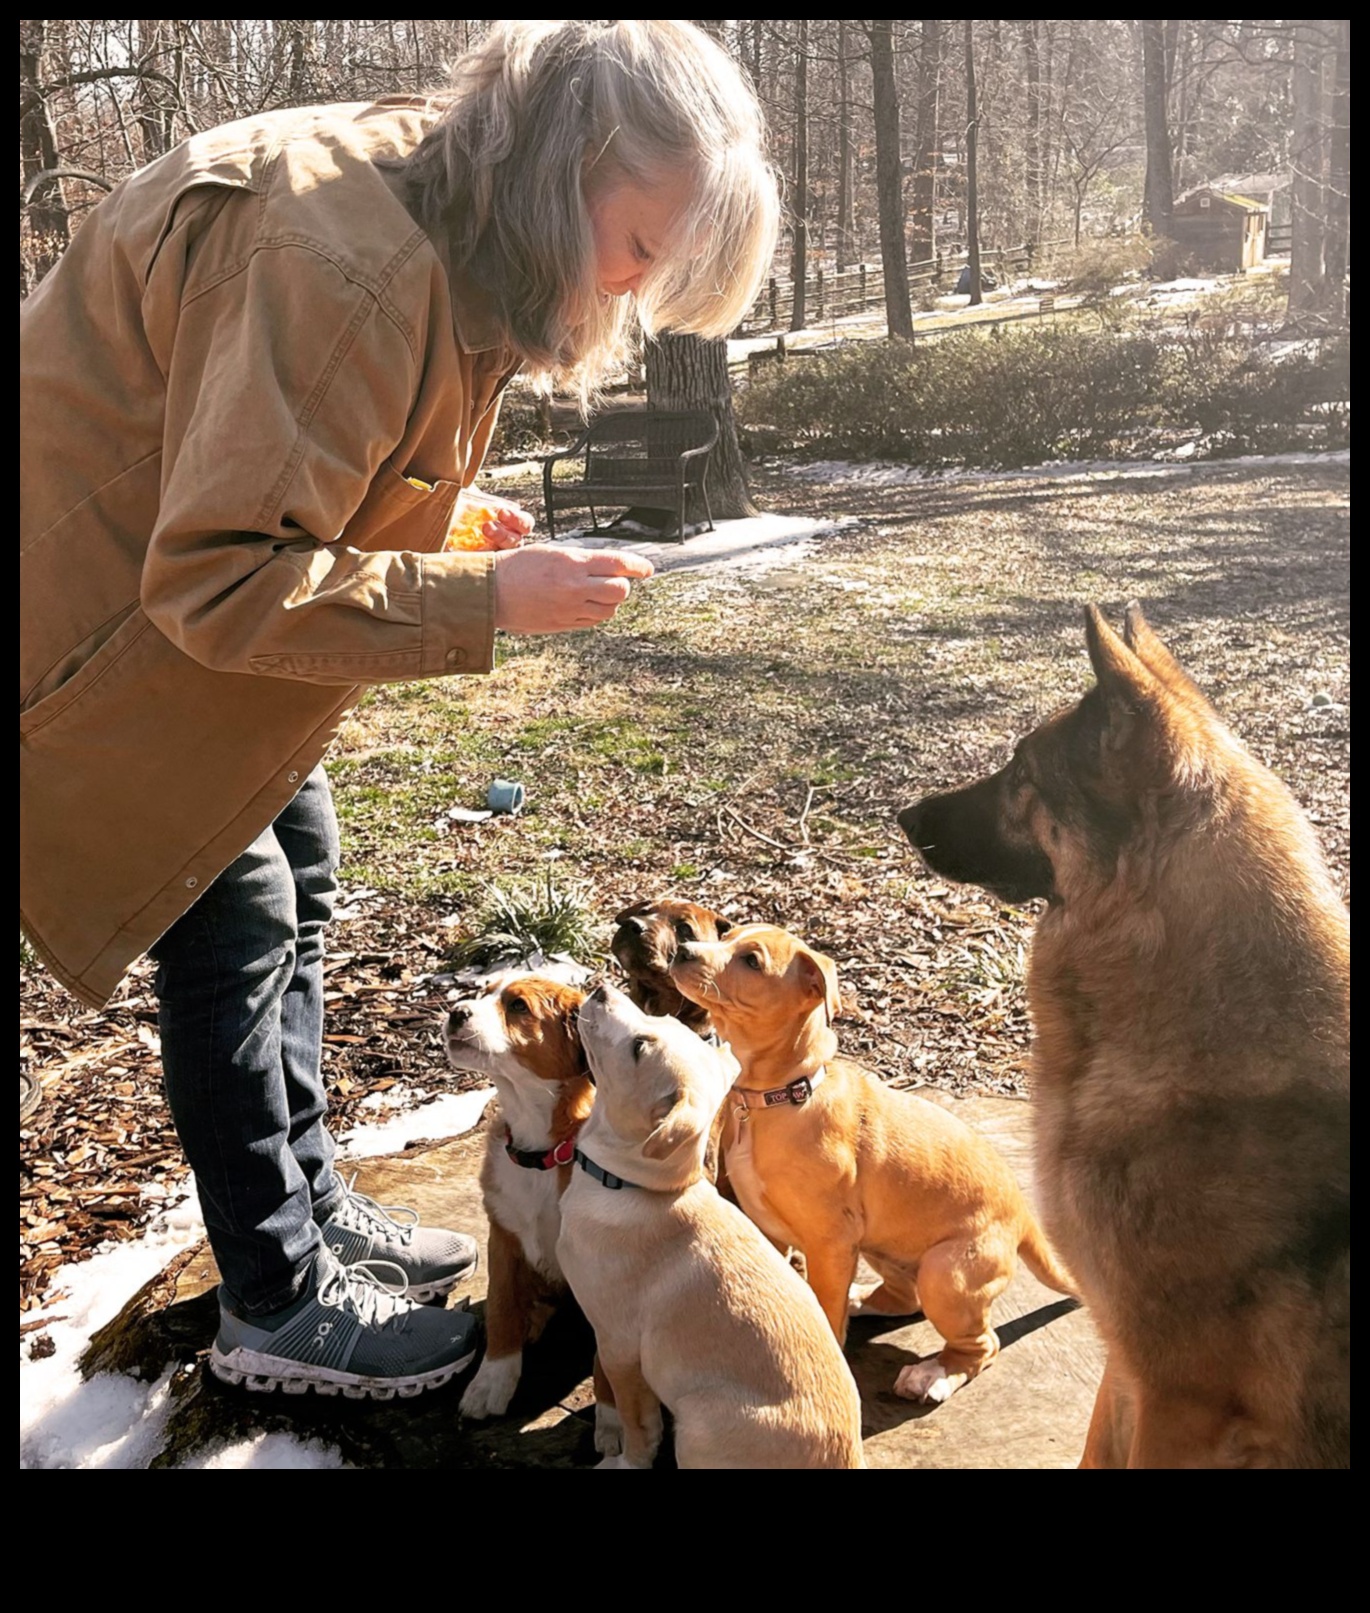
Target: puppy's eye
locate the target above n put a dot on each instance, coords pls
(639, 1044)
(516, 1006)
(752, 960)
(683, 930)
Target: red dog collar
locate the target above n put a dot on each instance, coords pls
(534, 1159)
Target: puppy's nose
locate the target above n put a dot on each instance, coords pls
(600, 993)
(688, 950)
(635, 924)
(458, 1017)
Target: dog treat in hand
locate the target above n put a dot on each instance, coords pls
(468, 527)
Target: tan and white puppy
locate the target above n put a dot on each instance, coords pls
(522, 1033)
(692, 1307)
(828, 1160)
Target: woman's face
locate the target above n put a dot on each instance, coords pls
(632, 226)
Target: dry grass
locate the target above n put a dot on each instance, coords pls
(745, 737)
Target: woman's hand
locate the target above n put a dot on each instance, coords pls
(506, 524)
(545, 590)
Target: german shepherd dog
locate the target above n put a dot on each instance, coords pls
(1189, 989)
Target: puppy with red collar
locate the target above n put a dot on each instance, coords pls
(522, 1033)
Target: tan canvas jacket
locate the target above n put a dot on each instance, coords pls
(230, 387)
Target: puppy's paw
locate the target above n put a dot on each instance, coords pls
(490, 1391)
(608, 1430)
(929, 1382)
(617, 1461)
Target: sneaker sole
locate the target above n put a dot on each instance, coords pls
(264, 1373)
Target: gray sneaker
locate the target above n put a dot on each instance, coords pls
(433, 1260)
(350, 1332)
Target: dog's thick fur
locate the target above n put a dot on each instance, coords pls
(522, 1032)
(859, 1169)
(1189, 988)
(692, 1308)
(646, 936)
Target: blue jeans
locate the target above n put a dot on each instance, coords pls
(240, 991)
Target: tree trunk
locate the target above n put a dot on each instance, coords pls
(49, 232)
(687, 372)
(846, 153)
(1308, 248)
(923, 231)
(1160, 195)
(1033, 151)
(799, 196)
(889, 181)
(1336, 255)
(153, 99)
(972, 174)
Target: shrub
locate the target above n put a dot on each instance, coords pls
(522, 919)
(1251, 399)
(1005, 398)
(1100, 263)
(1018, 396)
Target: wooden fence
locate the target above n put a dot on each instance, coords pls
(833, 294)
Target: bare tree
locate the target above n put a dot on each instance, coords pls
(889, 181)
(972, 171)
(688, 372)
(1160, 188)
(927, 146)
(1335, 257)
(1033, 176)
(844, 236)
(799, 190)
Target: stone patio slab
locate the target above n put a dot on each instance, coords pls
(1031, 1409)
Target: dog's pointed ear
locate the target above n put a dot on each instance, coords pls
(632, 912)
(1125, 685)
(1150, 730)
(1115, 666)
(818, 975)
(1157, 659)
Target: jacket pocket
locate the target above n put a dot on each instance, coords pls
(402, 513)
(104, 660)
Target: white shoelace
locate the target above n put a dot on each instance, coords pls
(370, 1298)
(361, 1214)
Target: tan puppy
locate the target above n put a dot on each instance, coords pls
(692, 1308)
(826, 1159)
(522, 1033)
(1190, 992)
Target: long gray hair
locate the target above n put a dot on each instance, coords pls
(541, 115)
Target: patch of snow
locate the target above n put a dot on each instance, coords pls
(448, 1116)
(881, 473)
(116, 1421)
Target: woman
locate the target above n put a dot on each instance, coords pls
(254, 392)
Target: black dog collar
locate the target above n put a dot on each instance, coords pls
(603, 1177)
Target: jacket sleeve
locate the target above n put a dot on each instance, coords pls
(288, 387)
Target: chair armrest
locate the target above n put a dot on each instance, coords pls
(577, 448)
